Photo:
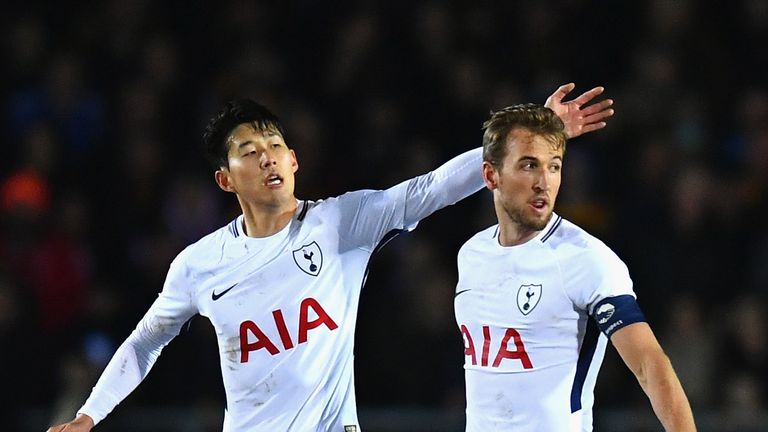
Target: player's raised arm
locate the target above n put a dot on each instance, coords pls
(461, 176)
(643, 355)
(401, 207)
(578, 117)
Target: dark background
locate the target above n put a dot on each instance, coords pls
(103, 181)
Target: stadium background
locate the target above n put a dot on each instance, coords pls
(103, 181)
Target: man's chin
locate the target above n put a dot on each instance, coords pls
(537, 223)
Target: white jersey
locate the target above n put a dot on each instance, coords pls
(531, 352)
(284, 307)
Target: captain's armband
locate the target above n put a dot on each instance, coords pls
(614, 313)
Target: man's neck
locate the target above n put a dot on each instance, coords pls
(511, 231)
(264, 221)
(514, 234)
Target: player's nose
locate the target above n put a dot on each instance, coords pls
(541, 183)
(267, 159)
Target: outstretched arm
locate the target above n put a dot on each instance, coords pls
(643, 355)
(125, 371)
(402, 206)
(578, 117)
(134, 358)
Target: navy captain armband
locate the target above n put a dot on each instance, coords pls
(614, 313)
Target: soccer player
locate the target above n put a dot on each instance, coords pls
(538, 297)
(281, 282)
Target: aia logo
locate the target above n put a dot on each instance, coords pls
(309, 258)
(253, 338)
(528, 297)
(510, 347)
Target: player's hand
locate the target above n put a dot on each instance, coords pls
(578, 118)
(82, 423)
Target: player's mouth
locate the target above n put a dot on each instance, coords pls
(539, 205)
(273, 181)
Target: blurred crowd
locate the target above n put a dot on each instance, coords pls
(103, 179)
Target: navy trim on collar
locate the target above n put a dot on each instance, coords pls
(552, 230)
(233, 228)
(303, 211)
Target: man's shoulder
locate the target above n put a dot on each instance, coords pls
(211, 242)
(344, 203)
(481, 239)
(227, 232)
(354, 197)
(572, 242)
(564, 234)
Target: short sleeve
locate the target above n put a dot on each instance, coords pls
(595, 274)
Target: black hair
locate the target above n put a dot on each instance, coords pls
(234, 113)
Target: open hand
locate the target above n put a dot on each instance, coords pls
(578, 118)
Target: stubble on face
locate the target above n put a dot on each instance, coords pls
(527, 222)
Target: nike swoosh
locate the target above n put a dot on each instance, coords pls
(215, 296)
(461, 292)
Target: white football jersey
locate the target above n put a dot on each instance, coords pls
(284, 307)
(532, 352)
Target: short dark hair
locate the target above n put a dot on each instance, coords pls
(534, 117)
(234, 113)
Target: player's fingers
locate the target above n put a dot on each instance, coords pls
(596, 107)
(588, 95)
(594, 118)
(592, 127)
(57, 428)
(560, 93)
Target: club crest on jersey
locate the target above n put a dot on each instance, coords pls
(528, 297)
(309, 258)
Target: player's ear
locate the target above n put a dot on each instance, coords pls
(223, 180)
(490, 175)
(294, 161)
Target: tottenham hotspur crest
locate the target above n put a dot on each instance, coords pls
(528, 297)
(309, 258)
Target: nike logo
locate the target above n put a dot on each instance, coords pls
(461, 292)
(215, 296)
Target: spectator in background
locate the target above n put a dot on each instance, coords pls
(67, 103)
(41, 252)
(744, 356)
(690, 345)
(19, 357)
